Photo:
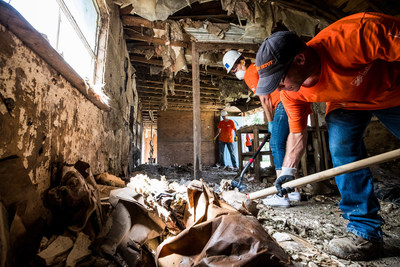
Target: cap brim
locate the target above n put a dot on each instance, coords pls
(268, 84)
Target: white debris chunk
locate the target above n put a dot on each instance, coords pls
(80, 250)
(280, 237)
(60, 246)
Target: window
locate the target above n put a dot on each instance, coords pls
(70, 26)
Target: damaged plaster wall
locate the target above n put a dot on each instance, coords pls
(45, 122)
(175, 138)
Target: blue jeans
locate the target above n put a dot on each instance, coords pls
(279, 134)
(359, 203)
(221, 153)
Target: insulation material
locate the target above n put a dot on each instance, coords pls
(232, 90)
(155, 70)
(218, 29)
(268, 15)
(173, 57)
(76, 198)
(164, 99)
(180, 60)
(257, 26)
(155, 9)
(239, 7)
(218, 235)
(167, 200)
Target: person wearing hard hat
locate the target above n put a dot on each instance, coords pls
(354, 66)
(278, 126)
(225, 128)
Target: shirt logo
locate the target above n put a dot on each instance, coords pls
(360, 77)
(263, 66)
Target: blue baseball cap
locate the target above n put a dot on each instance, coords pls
(273, 57)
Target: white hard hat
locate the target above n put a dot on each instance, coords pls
(230, 58)
(224, 113)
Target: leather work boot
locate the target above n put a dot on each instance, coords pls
(355, 248)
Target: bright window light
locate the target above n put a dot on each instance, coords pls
(70, 26)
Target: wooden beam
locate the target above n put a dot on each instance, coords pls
(204, 73)
(205, 47)
(178, 84)
(134, 21)
(159, 94)
(179, 102)
(151, 40)
(158, 62)
(196, 113)
(204, 17)
(177, 89)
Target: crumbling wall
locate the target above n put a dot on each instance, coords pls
(175, 138)
(46, 122)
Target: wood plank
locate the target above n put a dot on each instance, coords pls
(178, 84)
(151, 40)
(205, 47)
(135, 21)
(204, 92)
(158, 62)
(159, 95)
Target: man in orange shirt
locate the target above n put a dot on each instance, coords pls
(354, 66)
(276, 115)
(225, 128)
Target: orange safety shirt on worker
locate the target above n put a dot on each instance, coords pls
(251, 79)
(360, 68)
(248, 140)
(226, 127)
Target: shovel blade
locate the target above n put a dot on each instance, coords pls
(238, 185)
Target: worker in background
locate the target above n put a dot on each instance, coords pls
(225, 128)
(354, 66)
(249, 142)
(278, 125)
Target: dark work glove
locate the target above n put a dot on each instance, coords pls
(280, 181)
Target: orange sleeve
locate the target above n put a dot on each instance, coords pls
(296, 110)
(251, 77)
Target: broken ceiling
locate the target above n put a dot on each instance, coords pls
(159, 34)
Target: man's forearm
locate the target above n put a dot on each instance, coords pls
(267, 107)
(295, 146)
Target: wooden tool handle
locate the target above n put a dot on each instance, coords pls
(320, 176)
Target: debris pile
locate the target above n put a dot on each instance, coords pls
(149, 222)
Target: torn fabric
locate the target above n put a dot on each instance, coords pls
(218, 235)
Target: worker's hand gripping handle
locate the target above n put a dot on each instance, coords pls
(287, 175)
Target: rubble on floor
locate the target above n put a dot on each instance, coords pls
(162, 216)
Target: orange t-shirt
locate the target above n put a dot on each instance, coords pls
(251, 79)
(226, 127)
(360, 68)
(248, 140)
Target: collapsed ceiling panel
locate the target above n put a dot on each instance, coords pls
(214, 34)
(156, 9)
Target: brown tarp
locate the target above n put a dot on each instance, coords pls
(218, 235)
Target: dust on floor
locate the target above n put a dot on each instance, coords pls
(305, 229)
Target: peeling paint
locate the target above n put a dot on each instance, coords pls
(22, 129)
